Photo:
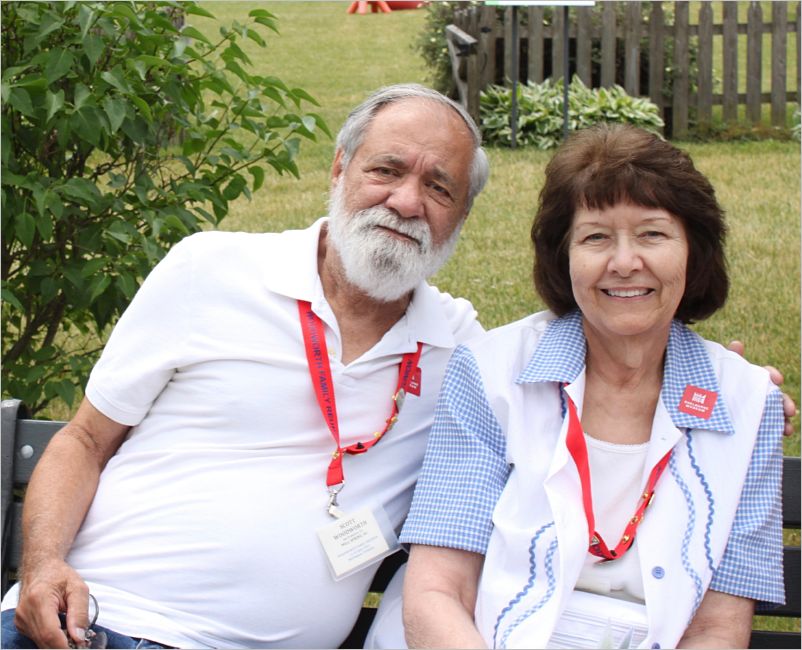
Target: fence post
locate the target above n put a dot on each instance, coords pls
(583, 45)
(704, 99)
(656, 55)
(754, 58)
(508, 44)
(680, 81)
(729, 55)
(535, 33)
(798, 53)
(779, 26)
(487, 46)
(608, 44)
(557, 46)
(632, 49)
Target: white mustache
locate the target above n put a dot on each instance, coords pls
(379, 216)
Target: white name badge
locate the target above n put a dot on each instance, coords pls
(357, 540)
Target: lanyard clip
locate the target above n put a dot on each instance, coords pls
(332, 508)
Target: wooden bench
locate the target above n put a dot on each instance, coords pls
(23, 441)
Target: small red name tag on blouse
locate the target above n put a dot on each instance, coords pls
(698, 401)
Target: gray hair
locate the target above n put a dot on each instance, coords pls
(353, 130)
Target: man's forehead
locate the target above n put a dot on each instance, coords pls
(422, 109)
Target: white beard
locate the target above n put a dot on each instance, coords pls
(384, 267)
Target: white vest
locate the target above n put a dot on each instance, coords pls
(540, 537)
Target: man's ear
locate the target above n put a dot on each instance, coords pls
(336, 167)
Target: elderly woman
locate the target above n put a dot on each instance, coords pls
(600, 475)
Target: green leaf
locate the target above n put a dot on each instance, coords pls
(85, 123)
(143, 107)
(65, 389)
(10, 298)
(53, 102)
(85, 18)
(21, 100)
(115, 110)
(45, 227)
(114, 78)
(98, 286)
(58, 64)
(82, 190)
(302, 94)
(92, 266)
(194, 10)
(321, 124)
(258, 174)
(82, 95)
(190, 32)
(25, 228)
(267, 22)
(260, 13)
(93, 47)
(255, 37)
(50, 23)
(126, 284)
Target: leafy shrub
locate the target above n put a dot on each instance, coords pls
(96, 97)
(540, 112)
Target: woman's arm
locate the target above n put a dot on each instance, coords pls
(722, 621)
(440, 596)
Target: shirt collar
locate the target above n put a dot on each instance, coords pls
(560, 357)
(291, 270)
(291, 262)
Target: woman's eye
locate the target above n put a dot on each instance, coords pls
(653, 234)
(594, 237)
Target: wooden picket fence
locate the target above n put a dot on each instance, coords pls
(482, 39)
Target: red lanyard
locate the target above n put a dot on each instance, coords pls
(579, 451)
(320, 371)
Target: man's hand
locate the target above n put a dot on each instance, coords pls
(789, 407)
(54, 587)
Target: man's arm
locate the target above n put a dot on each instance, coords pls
(789, 406)
(60, 492)
(440, 596)
(722, 621)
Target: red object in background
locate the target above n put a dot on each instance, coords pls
(361, 7)
(405, 4)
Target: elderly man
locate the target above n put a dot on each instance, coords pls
(225, 451)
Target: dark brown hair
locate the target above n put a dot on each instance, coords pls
(608, 164)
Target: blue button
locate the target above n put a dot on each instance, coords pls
(655, 645)
(658, 572)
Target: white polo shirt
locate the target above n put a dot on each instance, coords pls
(203, 529)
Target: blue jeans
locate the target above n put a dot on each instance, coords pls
(13, 639)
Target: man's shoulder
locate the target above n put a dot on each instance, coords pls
(527, 329)
(459, 313)
(245, 250)
(512, 343)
